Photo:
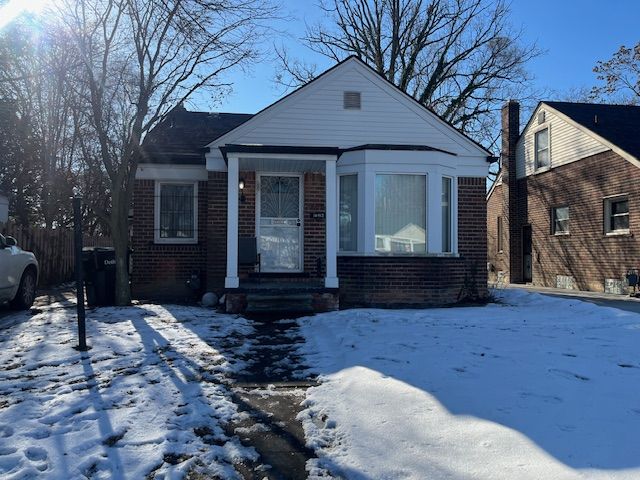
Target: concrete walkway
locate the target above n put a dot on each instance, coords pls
(622, 302)
(269, 393)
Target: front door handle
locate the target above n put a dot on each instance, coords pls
(298, 222)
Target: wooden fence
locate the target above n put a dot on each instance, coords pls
(53, 248)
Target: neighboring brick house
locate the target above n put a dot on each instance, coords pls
(351, 189)
(565, 208)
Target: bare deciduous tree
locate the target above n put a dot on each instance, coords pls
(139, 58)
(33, 79)
(621, 76)
(461, 58)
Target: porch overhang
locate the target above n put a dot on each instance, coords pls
(278, 150)
(281, 159)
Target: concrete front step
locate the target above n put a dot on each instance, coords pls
(262, 303)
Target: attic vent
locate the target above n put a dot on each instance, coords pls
(352, 100)
(541, 117)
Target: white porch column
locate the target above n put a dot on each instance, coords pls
(331, 223)
(233, 174)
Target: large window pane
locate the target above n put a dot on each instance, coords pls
(542, 149)
(176, 211)
(401, 213)
(560, 220)
(617, 211)
(446, 214)
(349, 213)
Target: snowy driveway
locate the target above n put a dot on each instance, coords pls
(535, 388)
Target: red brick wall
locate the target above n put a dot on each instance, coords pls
(472, 224)
(161, 270)
(400, 280)
(247, 215)
(393, 281)
(498, 260)
(586, 253)
(216, 260)
(314, 229)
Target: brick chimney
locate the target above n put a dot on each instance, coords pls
(510, 214)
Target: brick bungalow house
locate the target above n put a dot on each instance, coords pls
(351, 191)
(565, 208)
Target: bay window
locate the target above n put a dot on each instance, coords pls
(176, 212)
(400, 213)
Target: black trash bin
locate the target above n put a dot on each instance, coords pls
(99, 265)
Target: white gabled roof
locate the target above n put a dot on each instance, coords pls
(313, 115)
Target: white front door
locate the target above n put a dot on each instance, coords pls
(279, 222)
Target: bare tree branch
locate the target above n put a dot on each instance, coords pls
(460, 58)
(139, 58)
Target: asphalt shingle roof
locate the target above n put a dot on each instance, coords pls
(182, 136)
(619, 124)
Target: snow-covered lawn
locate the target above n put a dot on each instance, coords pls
(148, 398)
(535, 388)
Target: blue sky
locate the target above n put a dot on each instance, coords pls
(574, 33)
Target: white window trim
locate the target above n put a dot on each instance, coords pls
(367, 171)
(553, 221)
(607, 215)
(156, 219)
(540, 128)
(359, 210)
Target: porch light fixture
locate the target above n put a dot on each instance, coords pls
(241, 187)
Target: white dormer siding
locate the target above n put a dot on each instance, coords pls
(567, 142)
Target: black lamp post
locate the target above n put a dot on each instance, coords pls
(77, 233)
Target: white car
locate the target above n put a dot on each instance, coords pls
(18, 274)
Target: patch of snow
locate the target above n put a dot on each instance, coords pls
(533, 388)
(148, 399)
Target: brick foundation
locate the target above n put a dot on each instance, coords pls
(407, 281)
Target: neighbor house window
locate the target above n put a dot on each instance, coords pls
(542, 149)
(176, 212)
(500, 234)
(400, 211)
(348, 213)
(560, 220)
(616, 214)
(446, 214)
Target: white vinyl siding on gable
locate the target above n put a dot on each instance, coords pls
(316, 116)
(567, 143)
